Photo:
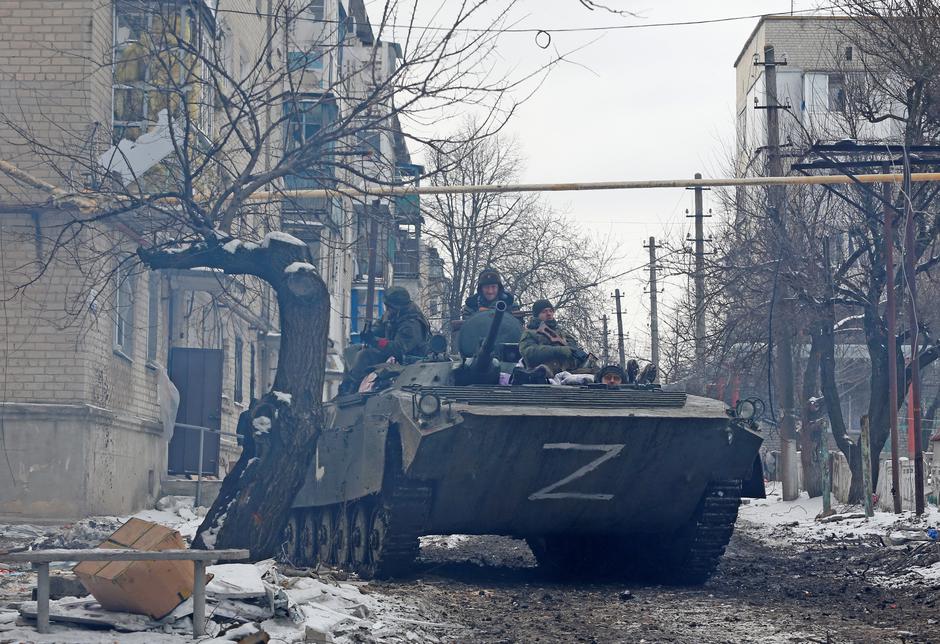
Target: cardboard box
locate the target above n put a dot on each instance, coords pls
(151, 588)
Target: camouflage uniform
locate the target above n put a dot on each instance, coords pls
(402, 331)
(538, 349)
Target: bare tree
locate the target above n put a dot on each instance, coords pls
(540, 253)
(309, 106)
(838, 296)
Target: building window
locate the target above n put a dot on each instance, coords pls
(359, 298)
(251, 372)
(153, 315)
(317, 9)
(154, 71)
(312, 60)
(307, 117)
(369, 143)
(848, 53)
(238, 394)
(836, 93)
(124, 313)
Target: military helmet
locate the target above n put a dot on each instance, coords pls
(611, 368)
(397, 296)
(539, 306)
(489, 276)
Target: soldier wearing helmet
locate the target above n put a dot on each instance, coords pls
(402, 331)
(490, 290)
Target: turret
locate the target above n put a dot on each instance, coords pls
(481, 369)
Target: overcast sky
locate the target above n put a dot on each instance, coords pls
(647, 103)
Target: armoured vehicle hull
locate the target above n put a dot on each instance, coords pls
(595, 478)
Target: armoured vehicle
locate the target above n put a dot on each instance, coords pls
(621, 479)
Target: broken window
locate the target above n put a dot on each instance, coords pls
(156, 66)
(124, 313)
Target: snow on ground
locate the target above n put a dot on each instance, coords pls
(789, 524)
(781, 523)
(446, 541)
(288, 608)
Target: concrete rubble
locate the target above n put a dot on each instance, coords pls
(246, 603)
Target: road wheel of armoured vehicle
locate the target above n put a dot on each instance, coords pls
(326, 536)
(307, 554)
(293, 538)
(359, 538)
(691, 556)
(341, 517)
(377, 542)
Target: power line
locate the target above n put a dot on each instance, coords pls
(546, 30)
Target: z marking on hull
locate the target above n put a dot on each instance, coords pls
(547, 492)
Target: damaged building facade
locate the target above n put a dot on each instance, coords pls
(88, 336)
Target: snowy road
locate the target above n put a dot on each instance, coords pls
(778, 583)
(786, 578)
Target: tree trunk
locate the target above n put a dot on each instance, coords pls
(809, 438)
(255, 499)
(830, 390)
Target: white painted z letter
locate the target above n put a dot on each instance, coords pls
(548, 492)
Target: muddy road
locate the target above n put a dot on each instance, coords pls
(816, 592)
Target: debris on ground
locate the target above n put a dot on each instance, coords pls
(151, 588)
(246, 603)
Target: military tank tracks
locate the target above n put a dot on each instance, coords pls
(375, 536)
(688, 557)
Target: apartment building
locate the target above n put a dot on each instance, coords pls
(820, 67)
(86, 333)
(89, 337)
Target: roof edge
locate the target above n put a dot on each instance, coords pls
(777, 16)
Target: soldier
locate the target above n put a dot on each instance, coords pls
(490, 290)
(544, 344)
(402, 331)
(610, 375)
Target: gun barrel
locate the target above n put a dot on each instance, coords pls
(485, 355)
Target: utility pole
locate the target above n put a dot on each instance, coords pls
(824, 442)
(699, 287)
(911, 278)
(654, 313)
(373, 244)
(606, 341)
(781, 314)
(892, 324)
(623, 361)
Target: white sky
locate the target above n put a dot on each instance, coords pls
(649, 103)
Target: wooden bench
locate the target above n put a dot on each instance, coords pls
(40, 559)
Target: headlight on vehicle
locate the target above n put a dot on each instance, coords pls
(429, 405)
(745, 409)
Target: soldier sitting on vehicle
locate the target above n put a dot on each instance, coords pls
(636, 376)
(490, 290)
(610, 375)
(402, 331)
(545, 346)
